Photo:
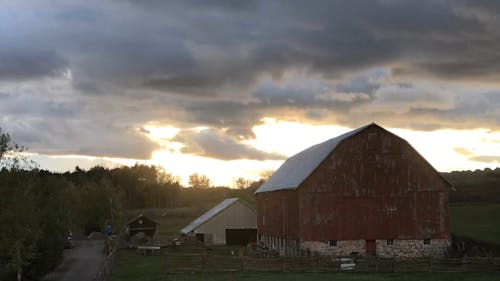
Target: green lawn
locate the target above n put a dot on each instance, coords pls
(171, 220)
(481, 222)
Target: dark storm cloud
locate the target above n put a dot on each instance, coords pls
(228, 64)
(17, 66)
(197, 47)
(217, 144)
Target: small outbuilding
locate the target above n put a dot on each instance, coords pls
(142, 224)
(231, 222)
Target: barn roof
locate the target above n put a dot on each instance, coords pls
(298, 167)
(209, 214)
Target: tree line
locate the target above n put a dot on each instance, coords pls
(479, 186)
(38, 209)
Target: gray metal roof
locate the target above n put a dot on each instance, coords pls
(208, 215)
(298, 167)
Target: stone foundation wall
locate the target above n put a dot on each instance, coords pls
(413, 248)
(400, 248)
(343, 248)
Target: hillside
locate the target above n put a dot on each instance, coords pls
(480, 186)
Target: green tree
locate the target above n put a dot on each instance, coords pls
(266, 174)
(199, 181)
(241, 183)
(18, 241)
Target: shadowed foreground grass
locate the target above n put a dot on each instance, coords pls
(130, 266)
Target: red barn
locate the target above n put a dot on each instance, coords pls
(366, 192)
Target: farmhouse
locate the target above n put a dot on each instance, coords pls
(231, 222)
(365, 192)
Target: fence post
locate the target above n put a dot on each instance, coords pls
(429, 264)
(376, 263)
(283, 264)
(394, 264)
(318, 260)
(166, 263)
(112, 263)
(203, 262)
(340, 263)
(242, 264)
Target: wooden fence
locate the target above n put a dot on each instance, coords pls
(105, 271)
(215, 263)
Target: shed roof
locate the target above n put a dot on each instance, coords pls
(141, 216)
(298, 167)
(209, 214)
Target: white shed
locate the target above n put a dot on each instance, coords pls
(231, 222)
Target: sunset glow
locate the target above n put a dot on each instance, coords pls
(229, 90)
(446, 150)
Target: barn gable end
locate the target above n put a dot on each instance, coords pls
(142, 224)
(231, 221)
(373, 187)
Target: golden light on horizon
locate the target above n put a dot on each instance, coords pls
(220, 172)
(446, 149)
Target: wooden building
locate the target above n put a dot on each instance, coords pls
(142, 224)
(231, 222)
(365, 192)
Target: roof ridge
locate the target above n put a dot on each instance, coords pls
(206, 216)
(300, 165)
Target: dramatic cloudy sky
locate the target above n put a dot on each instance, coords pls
(230, 88)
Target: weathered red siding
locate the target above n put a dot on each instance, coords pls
(279, 209)
(374, 185)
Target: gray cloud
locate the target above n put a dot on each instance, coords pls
(486, 158)
(18, 66)
(59, 137)
(105, 68)
(219, 145)
(195, 48)
(48, 118)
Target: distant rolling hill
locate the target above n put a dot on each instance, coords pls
(480, 186)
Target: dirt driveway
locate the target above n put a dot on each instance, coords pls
(80, 263)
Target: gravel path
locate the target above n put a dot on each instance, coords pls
(80, 263)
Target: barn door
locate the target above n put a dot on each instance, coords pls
(371, 249)
(240, 236)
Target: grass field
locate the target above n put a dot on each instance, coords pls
(475, 221)
(481, 222)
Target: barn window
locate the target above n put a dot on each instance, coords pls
(427, 241)
(332, 243)
(390, 242)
